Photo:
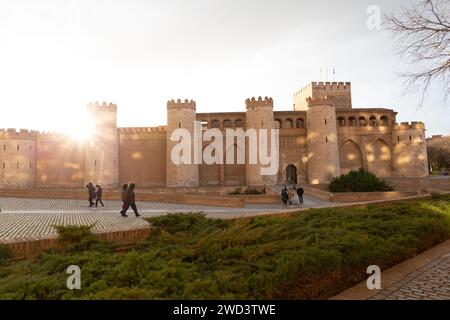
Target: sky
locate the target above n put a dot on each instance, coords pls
(56, 56)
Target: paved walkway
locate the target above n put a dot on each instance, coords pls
(423, 277)
(25, 218)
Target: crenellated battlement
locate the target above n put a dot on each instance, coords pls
(414, 125)
(187, 104)
(327, 100)
(51, 136)
(143, 131)
(96, 106)
(22, 134)
(329, 87)
(260, 102)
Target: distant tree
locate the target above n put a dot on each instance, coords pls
(438, 158)
(423, 40)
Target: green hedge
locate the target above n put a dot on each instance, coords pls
(358, 181)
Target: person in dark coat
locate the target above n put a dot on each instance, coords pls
(99, 194)
(130, 201)
(284, 195)
(124, 199)
(91, 194)
(300, 192)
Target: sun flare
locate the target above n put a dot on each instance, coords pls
(80, 127)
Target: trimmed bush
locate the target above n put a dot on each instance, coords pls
(5, 254)
(359, 181)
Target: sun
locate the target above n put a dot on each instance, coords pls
(80, 127)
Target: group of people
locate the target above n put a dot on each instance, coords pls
(128, 198)
(95, 193)
(288, 195)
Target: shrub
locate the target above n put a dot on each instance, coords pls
(252, 191)
(5, 254)
(358, 181)
(78, 238)
(236, 191)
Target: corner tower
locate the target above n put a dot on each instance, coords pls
(102, 149)
(410, 158)
(17, 158)
(322, 141)
(181, 115)
(259, 115)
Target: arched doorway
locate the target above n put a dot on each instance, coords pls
(291, 174)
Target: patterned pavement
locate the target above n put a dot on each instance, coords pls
(431, 282)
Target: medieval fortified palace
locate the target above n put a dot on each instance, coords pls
(322, 137)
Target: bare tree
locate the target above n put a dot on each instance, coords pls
(423, 40)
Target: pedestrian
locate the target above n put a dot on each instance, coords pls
(130, 200)
(99, 195)
(300, 192)
(284, 196)
(124, 199)
(91, 194)
(290, 197)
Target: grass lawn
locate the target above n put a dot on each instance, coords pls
(310, 255)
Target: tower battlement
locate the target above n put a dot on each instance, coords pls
(414, 125)
(329, 87)
(340, 90)
(96, 106)
(187, 104)
(260, 102)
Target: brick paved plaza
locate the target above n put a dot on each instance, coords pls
(430, 282)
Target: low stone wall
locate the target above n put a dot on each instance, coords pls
(317, 193)
(262, 199)
(31, 247)
(355, 196)
(425, 184)
(368, 196)
(141, 195)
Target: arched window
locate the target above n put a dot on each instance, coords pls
(300, 123)
(227, 123)
(362, 121)
(373, 121)
(204, 124)
(215, 124)
(340, 122)
(384, 121)
(352, 122)
(277, 124)
(287, 124)
(239, 123)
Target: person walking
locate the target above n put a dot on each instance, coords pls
(300, 192)
(91, 194)
(99, 194)
(290, 197)
(131, 200)
(124, 199)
